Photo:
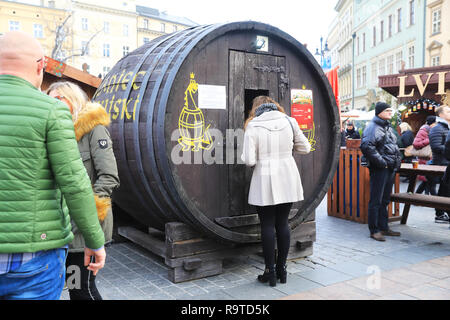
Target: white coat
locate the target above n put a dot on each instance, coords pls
(268, 144)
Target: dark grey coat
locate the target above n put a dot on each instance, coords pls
(95, 146)
(379, 145)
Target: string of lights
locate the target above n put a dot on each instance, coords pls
(415, 106)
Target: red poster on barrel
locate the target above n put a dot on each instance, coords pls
(302, 108)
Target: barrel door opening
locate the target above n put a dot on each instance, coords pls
(178, 106)
(247, 80)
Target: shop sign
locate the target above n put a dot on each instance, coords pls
(421, 86)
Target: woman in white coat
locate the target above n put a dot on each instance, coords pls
(270, 137)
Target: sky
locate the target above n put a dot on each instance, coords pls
(305, 20)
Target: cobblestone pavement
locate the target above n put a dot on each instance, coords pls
(413, 266)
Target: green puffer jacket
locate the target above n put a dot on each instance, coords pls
(95, 145)
(40, 162)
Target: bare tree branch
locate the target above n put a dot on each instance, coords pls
(60, 37)
(83, 49)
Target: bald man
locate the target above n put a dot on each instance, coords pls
(43, 182)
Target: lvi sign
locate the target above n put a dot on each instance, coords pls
(421, 85)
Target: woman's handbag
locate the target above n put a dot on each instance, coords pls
(425, 152)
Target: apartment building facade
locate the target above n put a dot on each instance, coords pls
(437, 48)
(389, 36)
(94, 34)
(153, 23)
(35, 19)
(345, 51)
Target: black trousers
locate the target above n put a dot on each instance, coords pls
(84, 287)
(444, 188)
(274, 225)
(381, 182)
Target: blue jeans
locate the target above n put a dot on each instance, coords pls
(381, 182)
(41, 278)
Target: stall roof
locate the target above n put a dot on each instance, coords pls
(58, 71)
(358, 115)
(391, 83)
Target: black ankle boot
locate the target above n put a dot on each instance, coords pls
(268, 275)
(281, 273)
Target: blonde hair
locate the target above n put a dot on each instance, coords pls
(440, 109)
(404, 126)
(74, 95)
(256, 103)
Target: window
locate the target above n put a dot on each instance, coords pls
(398, 61)
(146, 40)
(14, 25)
(175, 28)
(381, 31)
(61, 55)
(125, 30)
(411, 57)
(51, 4)
(390, 26)
(364, 42)
(436, 21)
(358, 78)
(126, 50)
(357, 46)
(412, 17)
(84, 48)
(105, 71)
(399, 19)
(38, 31)
(106, 48)
(390, 64)
(374, 39)
(106, 27)
(435, 61)
(382, 67)
(364, 76)
(84, 24)
(145, 23)
(374, 74)
(163, 27)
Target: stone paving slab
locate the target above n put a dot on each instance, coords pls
(417, 282)
(344, 258)
(325, 276)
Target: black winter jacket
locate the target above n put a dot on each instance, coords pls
(438, 135)
(407, 138)
(352, 134)
(379, 145)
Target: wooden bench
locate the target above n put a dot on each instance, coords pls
(421, 200)
(410, 198)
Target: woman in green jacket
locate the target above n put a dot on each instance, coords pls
(95, 146)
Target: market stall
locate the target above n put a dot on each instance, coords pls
(419, 92)
(59, 71)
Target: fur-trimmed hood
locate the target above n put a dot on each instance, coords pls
(90, 117)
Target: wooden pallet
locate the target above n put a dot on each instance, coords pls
(190, 255)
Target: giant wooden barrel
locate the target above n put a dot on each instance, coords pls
(178, 106)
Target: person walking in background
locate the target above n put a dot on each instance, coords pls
(422, 141)
(95, 146)
(270, 136)
(379, 146)
(438, 135)
(42, 180)
(406, 138)
(342, 134)
(351, 132)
